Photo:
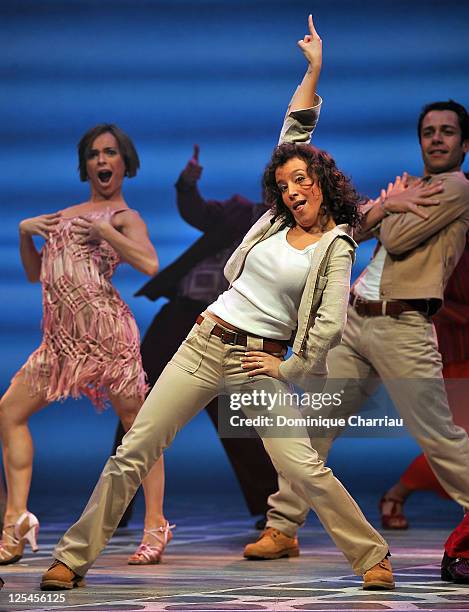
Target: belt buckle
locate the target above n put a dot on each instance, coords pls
(358, 305)
(233, 334)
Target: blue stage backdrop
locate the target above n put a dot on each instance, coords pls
(218, 73)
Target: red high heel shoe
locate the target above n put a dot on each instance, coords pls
(392, 516)
(16, 535)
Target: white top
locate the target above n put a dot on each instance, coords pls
(265, 298)
(368, 284)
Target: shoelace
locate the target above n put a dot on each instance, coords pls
(383, 565)
(273, 533)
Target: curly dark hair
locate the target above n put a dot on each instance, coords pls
(340, 199)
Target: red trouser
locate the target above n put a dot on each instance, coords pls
(457, 545)
(419, 475)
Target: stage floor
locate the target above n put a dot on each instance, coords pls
(203, 570)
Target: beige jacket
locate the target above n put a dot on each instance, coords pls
(323, 307)
(422, 254)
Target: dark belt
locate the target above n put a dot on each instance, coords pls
(365, 308)
(233, 337)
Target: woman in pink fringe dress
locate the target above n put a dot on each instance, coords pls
(91, 343)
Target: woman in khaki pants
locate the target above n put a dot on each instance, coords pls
(291, 272)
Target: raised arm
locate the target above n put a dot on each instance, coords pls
(311, 45)
(303, 110)
(188, 198)
(193, 208)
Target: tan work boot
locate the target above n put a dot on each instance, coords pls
(272, 544)
(59, 577)
(379, 577)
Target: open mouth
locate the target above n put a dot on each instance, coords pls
(299, 205)
(438, 152)
(104, 176)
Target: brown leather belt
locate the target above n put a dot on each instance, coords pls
(234, 337)
(365, 308)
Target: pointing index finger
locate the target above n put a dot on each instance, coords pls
(311, 26)
(195, 155)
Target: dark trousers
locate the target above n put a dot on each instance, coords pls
(251, 464)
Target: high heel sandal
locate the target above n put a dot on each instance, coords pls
(150, 555)
(392, 516)
(12, 545)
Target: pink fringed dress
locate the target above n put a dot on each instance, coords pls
(91, 342)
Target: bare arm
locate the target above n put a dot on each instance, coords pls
(30, 256)
(304, 108)
(311, 45)
(127, 233)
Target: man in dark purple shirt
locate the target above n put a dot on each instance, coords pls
(191, 283)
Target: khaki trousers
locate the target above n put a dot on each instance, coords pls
(202, 368)
(402, 353)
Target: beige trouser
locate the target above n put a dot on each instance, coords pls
(402, 353)
(201, 369)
